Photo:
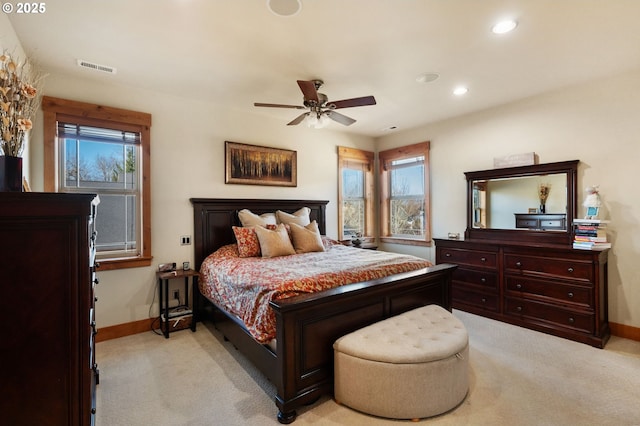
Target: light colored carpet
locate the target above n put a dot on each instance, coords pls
(518, 377)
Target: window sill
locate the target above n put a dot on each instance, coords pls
(130, 262)
(405, 241)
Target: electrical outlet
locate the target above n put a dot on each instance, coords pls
(185, 240)
(176, 295)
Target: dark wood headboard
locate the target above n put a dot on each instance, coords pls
(214, 217)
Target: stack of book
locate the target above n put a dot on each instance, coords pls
(590, 234)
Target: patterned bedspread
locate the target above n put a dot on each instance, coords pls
(245, 286)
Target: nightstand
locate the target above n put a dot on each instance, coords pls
(178, 317)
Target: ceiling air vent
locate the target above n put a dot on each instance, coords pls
(96, 67)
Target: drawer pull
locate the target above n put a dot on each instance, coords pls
(447, 255)
(570, 270)
(483, 280)
(483, 259)
(519, 264)
(518, 286)
(519, 309)
(571, 320)
(570, 295)
(484, 300)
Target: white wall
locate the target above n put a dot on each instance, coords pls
(596, 123)
(9, 42)
(187, 158)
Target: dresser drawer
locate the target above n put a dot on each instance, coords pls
(552, 224)
(563, 268)
(485, 259)
(464, 296)
(553, 315)
(526, 223)
(556, 292)
(476, 277)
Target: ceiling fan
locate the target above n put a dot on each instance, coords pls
(319, 107)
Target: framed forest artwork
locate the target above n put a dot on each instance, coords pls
(260, 165)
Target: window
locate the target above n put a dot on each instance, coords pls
(95, 149)
(404, 183)
(355, 196)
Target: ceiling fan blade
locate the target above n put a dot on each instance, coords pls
(258, 104)
(298, 119)
(355, 102)
(342, 119)
(308, 90)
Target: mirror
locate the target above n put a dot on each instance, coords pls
(527, 203)
(506, 203)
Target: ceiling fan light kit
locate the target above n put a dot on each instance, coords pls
(316, 121)
(320, 109)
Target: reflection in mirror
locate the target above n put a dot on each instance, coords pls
(531, 202)
(499, 202)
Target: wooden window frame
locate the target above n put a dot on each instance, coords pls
(384, 157)
(366, 158)
(56, 109)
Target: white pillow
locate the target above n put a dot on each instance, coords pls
(306, 239)
(248, 218)
(274, 243)
(301, 217)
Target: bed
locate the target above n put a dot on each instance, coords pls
(301, 364)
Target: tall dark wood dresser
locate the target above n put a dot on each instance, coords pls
(48, 373)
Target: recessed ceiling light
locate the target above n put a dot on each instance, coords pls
(427, 77)
(505, 26)
(284, 7)
(460, 90)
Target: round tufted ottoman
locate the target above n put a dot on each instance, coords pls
(409, 366)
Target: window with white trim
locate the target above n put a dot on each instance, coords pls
(355, 196)
(105, 162)
(404, 183)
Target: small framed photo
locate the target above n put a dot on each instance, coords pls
(592, 213)
(533, 210)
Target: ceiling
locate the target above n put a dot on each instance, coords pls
(236, 52)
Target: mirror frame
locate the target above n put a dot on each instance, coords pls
(523, 235)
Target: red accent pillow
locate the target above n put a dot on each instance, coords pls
(248, 243)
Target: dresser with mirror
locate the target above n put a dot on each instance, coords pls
(516, 262)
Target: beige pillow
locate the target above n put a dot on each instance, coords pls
(248, 218)
(301, 217)
(274, 243)
(306, 239)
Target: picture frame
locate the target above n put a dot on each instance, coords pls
(533, 210)
(592, 213)
(260, 165)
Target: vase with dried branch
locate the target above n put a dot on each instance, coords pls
(543, 194)
(19, 100)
